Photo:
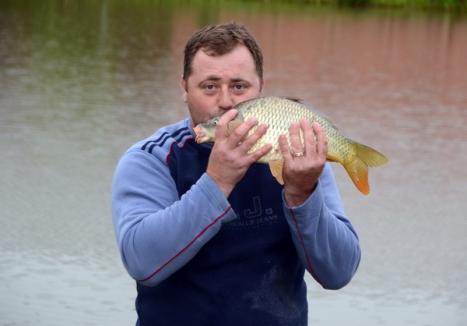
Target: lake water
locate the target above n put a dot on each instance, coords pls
(80, 81)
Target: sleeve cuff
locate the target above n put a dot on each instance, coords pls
(215, 196)
(312, 204)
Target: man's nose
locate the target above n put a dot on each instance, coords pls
(225, 100)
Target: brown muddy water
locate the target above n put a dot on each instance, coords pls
(80, 81)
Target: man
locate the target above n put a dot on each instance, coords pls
(208, 234)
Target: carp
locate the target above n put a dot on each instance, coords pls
(279, 113)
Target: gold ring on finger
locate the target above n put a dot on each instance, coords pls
(297, 154)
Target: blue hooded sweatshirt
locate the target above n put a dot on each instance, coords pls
(199, 258)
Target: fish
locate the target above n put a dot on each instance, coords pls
(279, 113)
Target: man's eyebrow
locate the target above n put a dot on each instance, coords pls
(236, 80)
(212, 77)
(217, 78)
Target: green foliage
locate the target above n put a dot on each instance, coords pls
(456, 5)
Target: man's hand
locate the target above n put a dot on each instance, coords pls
(303, 163)
(229, 158)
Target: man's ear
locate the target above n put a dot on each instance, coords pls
(184, 89)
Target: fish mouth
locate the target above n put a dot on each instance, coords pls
(201, 137)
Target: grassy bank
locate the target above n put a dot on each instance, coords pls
(458, 6)
(415, 4)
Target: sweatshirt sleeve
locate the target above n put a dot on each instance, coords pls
(323, 236)
(158, 232)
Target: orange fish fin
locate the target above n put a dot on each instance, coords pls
(276, 170)
(358, 172)
(332, 158)
(370, 156)
(357, 166)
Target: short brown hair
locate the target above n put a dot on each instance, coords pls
(218, 40)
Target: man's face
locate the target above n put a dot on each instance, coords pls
(217, 83)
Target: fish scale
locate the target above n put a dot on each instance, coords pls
(286, 113)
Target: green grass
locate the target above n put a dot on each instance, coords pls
(431, 5)
(415, 4)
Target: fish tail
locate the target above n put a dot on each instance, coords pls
(370, 156)
(357, 166)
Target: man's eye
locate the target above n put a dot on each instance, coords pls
(209, 87)
(240, 87)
